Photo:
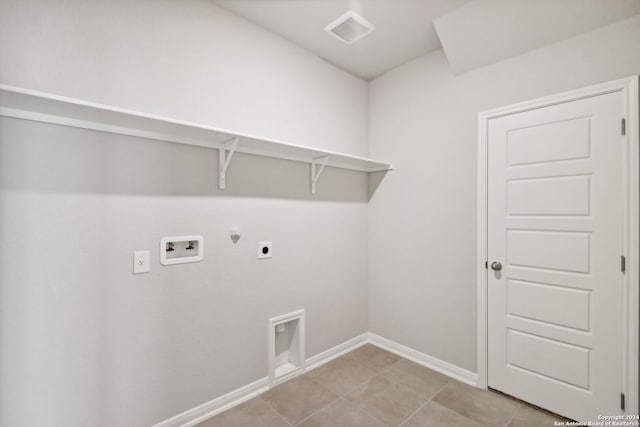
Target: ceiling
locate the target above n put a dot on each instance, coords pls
(404, 28)
(473, 33)
(483, 32)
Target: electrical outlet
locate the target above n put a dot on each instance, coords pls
(265, 250)
(141, 262)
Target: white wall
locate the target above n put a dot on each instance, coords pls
(422, 218)
(187, 60)
(83, 342)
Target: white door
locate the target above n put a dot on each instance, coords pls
(555, 224)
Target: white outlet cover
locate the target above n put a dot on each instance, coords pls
(141, 262)
(265, 247)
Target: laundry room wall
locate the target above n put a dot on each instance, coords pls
(83, 341)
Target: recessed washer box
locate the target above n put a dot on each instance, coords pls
(181, 249)
(286, 336)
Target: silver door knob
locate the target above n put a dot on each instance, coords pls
(496, 266)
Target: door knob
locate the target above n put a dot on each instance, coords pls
(496, 266)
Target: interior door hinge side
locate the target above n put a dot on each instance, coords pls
(623, 264)
(486, 264)
(623, 127)
(622, 401)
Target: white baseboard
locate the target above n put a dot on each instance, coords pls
(430, 362)
(207, 410)
(335, 352)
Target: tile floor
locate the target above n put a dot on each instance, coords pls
(371, 387)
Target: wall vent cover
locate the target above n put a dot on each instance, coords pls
(350, 27)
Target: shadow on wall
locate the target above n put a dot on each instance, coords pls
(51, 158)
(375, 179)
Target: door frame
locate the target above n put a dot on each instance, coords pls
(631, 223)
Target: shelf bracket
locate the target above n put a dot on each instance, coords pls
(315, 176)
(224, 159)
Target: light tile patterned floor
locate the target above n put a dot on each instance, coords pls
(371, 387)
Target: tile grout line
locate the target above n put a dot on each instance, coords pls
(323, 407)
(513, 415)
(475, 422)
(388, 368)
(276, 411)
(425, 403)
(341, 396)
(363, 409)
(470, 419)
(318, 411)
(310, 377)
(377, 374)
(373, 416)
(413, 413)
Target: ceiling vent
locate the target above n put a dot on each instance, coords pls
(350, 27)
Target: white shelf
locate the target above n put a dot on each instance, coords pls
(42, 107)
